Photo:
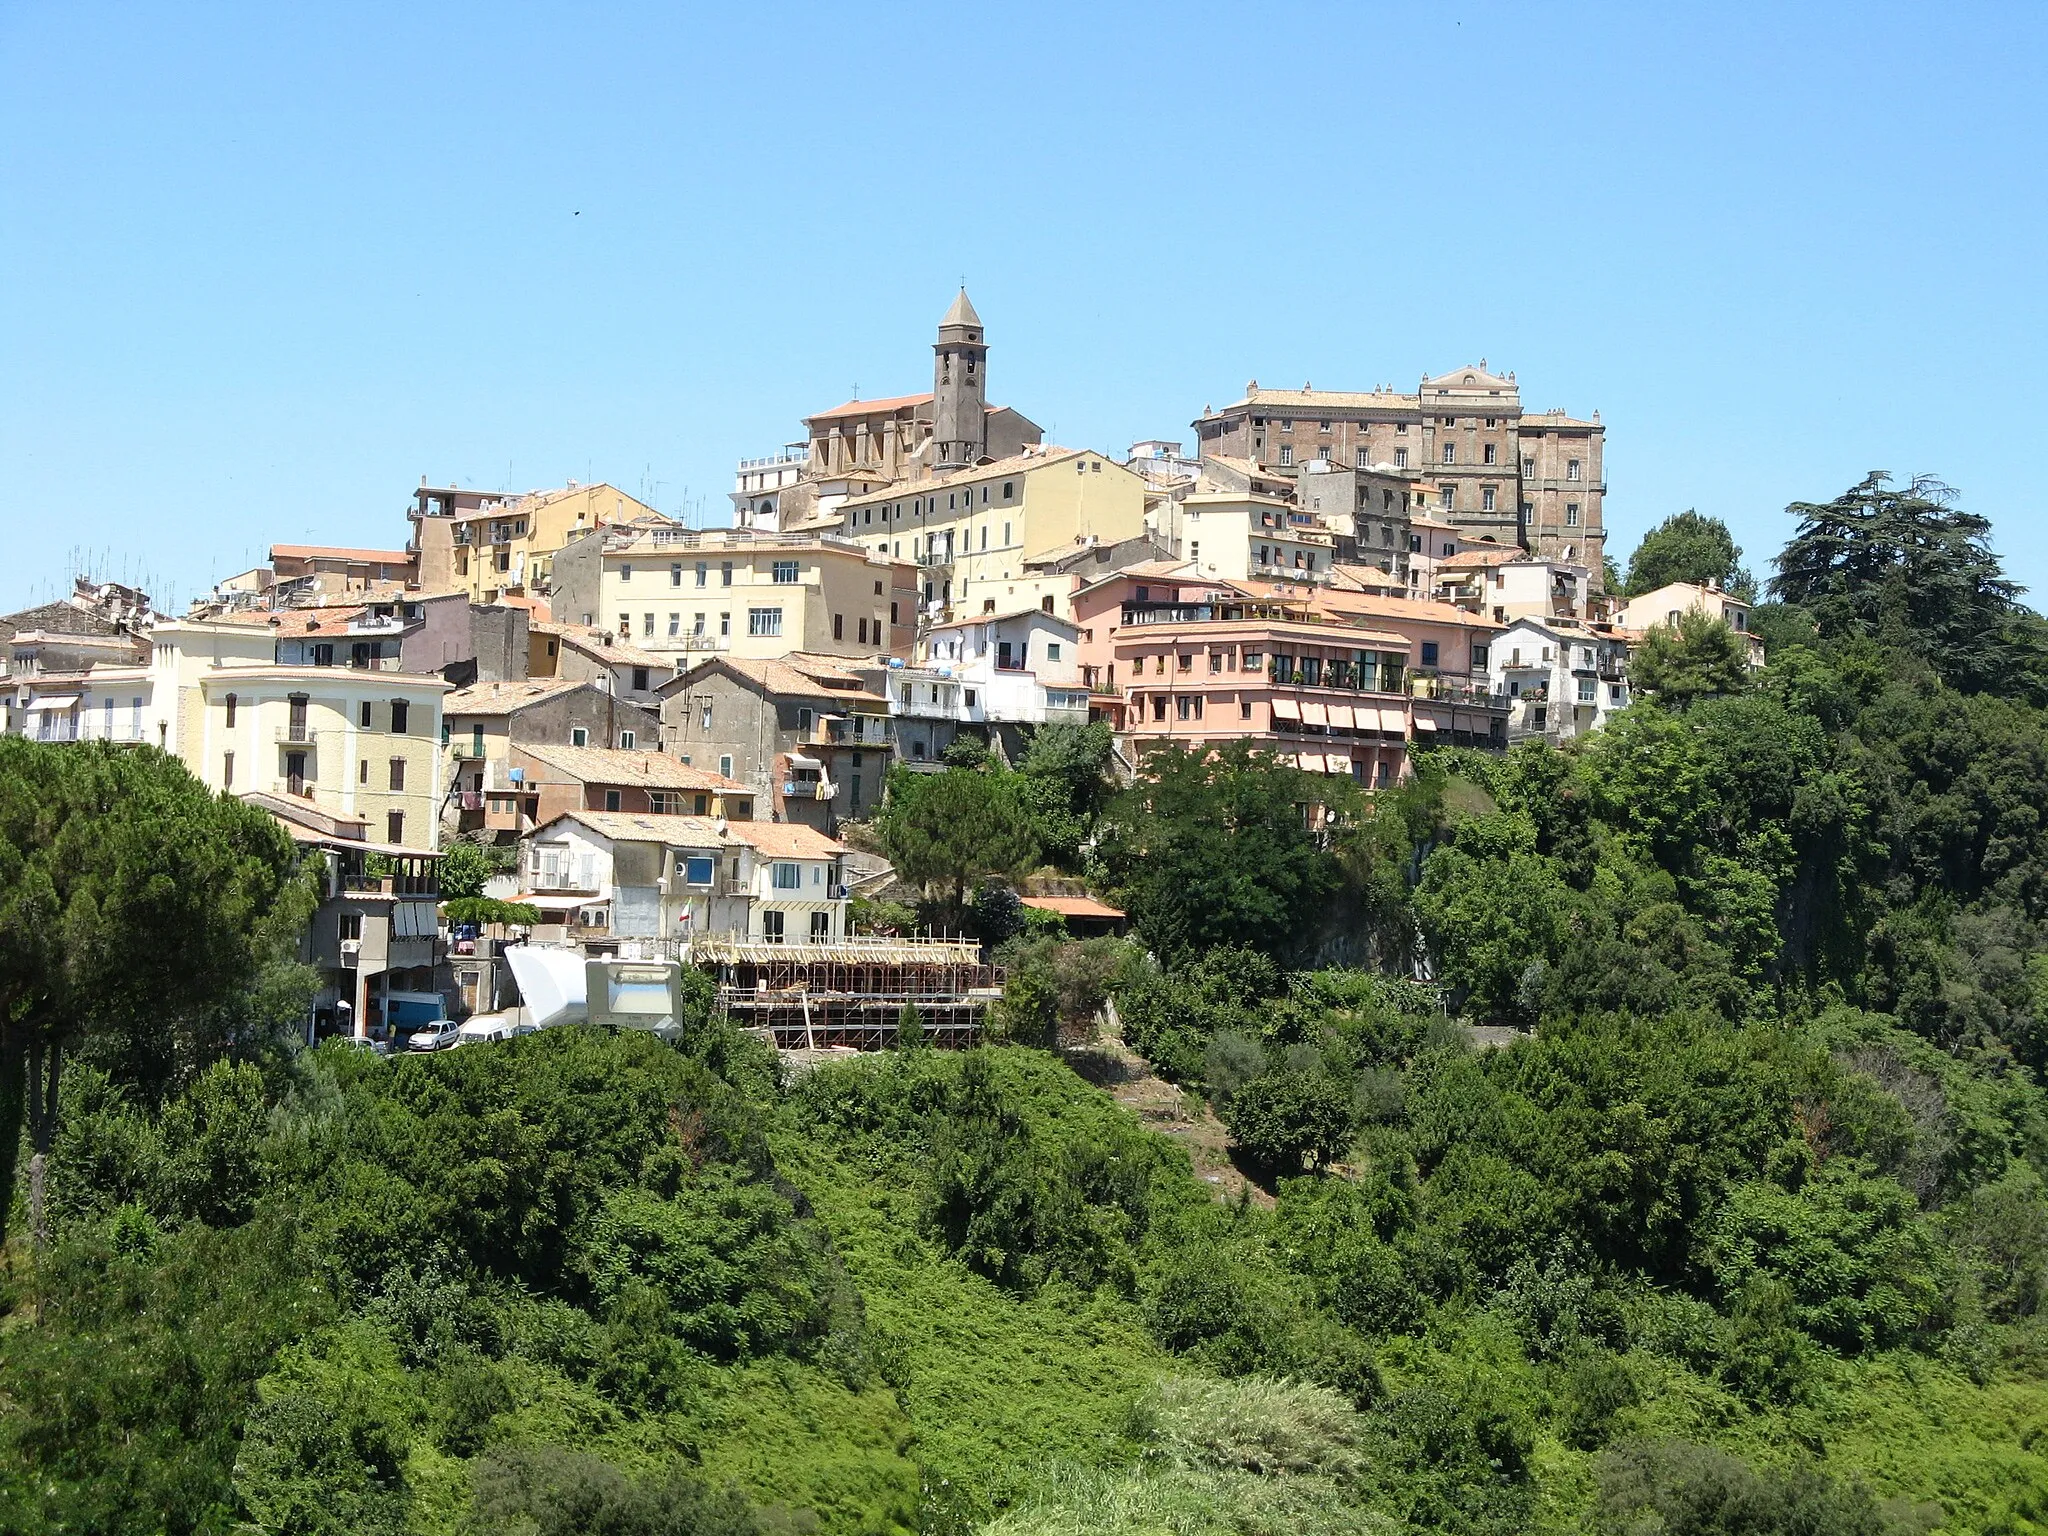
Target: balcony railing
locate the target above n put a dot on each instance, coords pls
(298, 734)
(1457, 690)
(809, 789)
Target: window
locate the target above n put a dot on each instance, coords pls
(725, 624)
(1450, 497)
(1364, 459)
(227, 770)
(579, 736)
(230, 702)
(628, 739)
(1429, 653)
(476, 741)
(1450, 453)
(1008, 492)
(1006, 535)
(323, 655)
(771, 927)
(675, 624)
(788, 877)
(785, 572)
(611, 800)
(394, 827)
(703, 572)
(626, 572)
(397, 774)
(1478, 657)
(1571, 514)
(696, 623)
(363, 771)
(725, 573)
(838, 626)
(1401, 458)
(1287, 424)
(399, 711)
(363, 715)
(1492, 451)
(625, 623)
(1158, 706)
(1286, 454)
(1528, 467)
(1215, 661)
(662, 803)
(970, 696)
(1586, 690)
(704, 723)
(1571, 469)
(1244, 709)
(863, 628)
(821, 925)
(1254, 661)
(1486, 498)
(1052, 650)
(647, 623)
(725, 767)
(349, 927)
(675, 574)
(804, 718)
(764, 621)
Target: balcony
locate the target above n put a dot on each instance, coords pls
(298, 734)
(1457, 690)
(809, 789)
(800, 455)
(853, 731)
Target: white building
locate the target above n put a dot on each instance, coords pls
(1239, 536)
(758, 485)
(1506, 582)
(1020, 667)
(619, 881)
(1563, 678)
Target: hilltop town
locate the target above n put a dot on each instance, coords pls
(666, 734)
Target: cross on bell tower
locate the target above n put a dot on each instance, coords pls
(960, 387)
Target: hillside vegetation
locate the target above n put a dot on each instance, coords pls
(1744, 1232)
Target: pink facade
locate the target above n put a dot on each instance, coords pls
(1333, 698)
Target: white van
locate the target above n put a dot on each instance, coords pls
(478, 1031)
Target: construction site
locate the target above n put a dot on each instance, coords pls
(850, 994)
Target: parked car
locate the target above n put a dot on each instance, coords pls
(438, 1035)
(478, 1031)
(365, 1043)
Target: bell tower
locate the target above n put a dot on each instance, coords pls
(960, 387)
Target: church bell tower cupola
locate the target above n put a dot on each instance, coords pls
(960, 388)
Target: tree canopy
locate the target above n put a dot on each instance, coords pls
(1688, 547)
(945, 830)
(1695, 656)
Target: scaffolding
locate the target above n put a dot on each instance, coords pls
(850, 992)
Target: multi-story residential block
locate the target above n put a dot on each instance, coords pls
(496, 545)
(971, 532)
(867, 445)
(1562, 677)
(589, 654)
(1233, 536)
(682, 593)
(805, 733)
(640, 882)
(1668, 603)
(558, 779)
(1509, 583)
(73, 672)
(997, 675)
(248, 709)
(1533, 479)
(373, 939)
(485, 724)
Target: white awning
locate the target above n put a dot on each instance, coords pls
(798, 760)
(1424, 723)
(1313, 713)
(1342, 719)
(1286, 709)
(1393, 721)
(40, 706)
(1310, 762)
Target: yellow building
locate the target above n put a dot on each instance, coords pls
(357, 742)
(971, 531)
(681, 592)
(507, 548)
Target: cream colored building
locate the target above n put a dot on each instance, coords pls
(507, 548)
(739, 592)
(358, 743)
(1667, 603)
(1234, 536)
(971, 531)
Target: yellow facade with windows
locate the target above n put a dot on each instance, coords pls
(506, 549)
(970, 532)
(355, 742)
(734, 592)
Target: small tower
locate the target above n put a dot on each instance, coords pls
(960, 387)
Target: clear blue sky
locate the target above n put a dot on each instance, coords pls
(262, 267)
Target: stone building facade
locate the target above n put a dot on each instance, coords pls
(1481, 463)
